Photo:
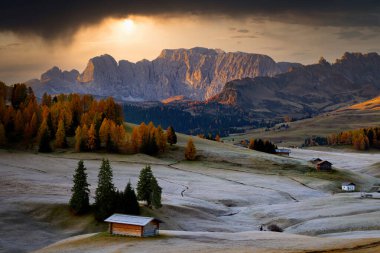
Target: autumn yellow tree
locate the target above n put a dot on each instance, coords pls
(44, 137)
(60, 136)
(78, 139)
(19, 122)
(105, 133)
(84, 137)
(91, 142)
(135, 140)
(190, 151)
(160, 139)
(251, 144)
(3, 138)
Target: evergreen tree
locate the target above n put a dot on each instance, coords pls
(131, 205)
(171, 136)
(156, 193)
(44, 138)
(60, 136)
(104, 195)
(148, 189)
(190, 151)
(79, 201)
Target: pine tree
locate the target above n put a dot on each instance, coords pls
(79, 201)
(131, 205)
(44, 138)
(190, 151)
(171, 136)
(60, 136)
(104, 195)
(156, 193)
(148, 189)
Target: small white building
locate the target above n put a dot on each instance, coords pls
(348, 186)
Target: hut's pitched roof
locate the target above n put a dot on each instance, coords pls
(130, 219)
(324, 162)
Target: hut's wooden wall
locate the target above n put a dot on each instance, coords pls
(126, 229)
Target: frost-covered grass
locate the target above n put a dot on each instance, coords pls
(228, 189)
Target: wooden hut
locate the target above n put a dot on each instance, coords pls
(283, 151)
(121, 224)
(324, 166)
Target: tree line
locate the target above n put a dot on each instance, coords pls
(360, 139)
(260, 145)
(108, 199)
(95, 124)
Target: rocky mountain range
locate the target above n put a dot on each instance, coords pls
(205, 90)
(307, 90)
(197, 74)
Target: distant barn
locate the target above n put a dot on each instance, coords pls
(282, 151)
(315, 160)
(348, 186)
(121, 224)
(324, 166)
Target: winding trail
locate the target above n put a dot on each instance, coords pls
(283, 193)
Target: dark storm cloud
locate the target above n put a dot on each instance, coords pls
(350, 35)
(54, 19)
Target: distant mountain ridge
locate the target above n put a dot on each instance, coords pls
(307, 90)
(197, 73)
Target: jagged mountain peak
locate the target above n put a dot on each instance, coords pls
(170, 53)
(197, 73)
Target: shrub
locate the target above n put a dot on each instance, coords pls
(274, 228)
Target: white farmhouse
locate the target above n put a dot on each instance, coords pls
(348, 186)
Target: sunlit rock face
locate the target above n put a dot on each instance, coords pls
(197, 73)
(307, 90)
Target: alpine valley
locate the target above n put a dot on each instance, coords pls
(203, 90)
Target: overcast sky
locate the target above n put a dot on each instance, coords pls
(36, 36)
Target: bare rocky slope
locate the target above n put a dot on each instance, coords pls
(307, 90)
(197, 73)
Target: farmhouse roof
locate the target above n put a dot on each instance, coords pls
(348, 183)
(130, 219)
(324, 162)
(282, 150)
